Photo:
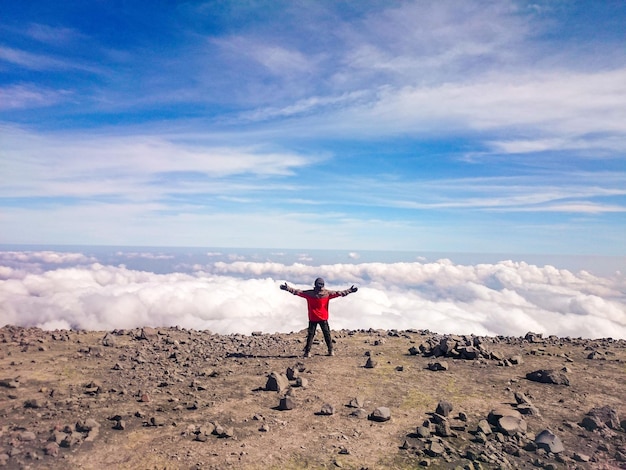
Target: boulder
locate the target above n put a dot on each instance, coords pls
(148, 334)
(380, 414)
(600, 417)
(327, 410)
(356, 402)
(484, 427)
(548, 377)
(511, 425)
(109, 340)
(277, 382)
(286, 403)
(549, 441)
(469, 352)
(435, 449)
(444, 408)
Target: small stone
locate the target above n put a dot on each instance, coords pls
(484, 427)
(380, 414)
(359, 413)
(423, 432)
(435, 449)
(327, 410)
(51, 449)
(444, 408)
(277, 382)
(27, 436)
(119, 425)
(286, 403)
(370, 363)
(581, 457)
(356, 402)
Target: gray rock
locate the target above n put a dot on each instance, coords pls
(148, 334)
(444, 408)
(581, 457)
(292, 373)
(119, 425)
(109, 340)
(277, 382)
(435, 449)
(9, 383)
(469, 352)
(370, 363)
(286, 404)
(601, 417)
(549, 441)
(533, 337)
(380, 414)
(157, 421)
(501, 411)
(224, 431)
(423, 432)
(301, 382)
(529, 410)
(72, 440)
(87, 425)
(356, 402)
(35, 403)
(443, 429)
(359, 413)
(438, 366)
(447, 345)
(51, 449)
(522, 399)
(27, 436)
(548, 377)
(511, 425)
(327, 409)
(484, 427)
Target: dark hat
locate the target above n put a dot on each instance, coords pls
(319, 282)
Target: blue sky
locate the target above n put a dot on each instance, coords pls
(466, 126)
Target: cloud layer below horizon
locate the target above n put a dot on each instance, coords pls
(70, 291)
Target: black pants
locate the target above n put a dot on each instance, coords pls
(311, 334)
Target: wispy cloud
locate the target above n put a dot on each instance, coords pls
(42, 62)
(52, 34)
(30, 96)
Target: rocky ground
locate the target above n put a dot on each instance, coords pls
(175, 398)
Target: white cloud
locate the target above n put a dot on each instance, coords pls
(130, 166)
(508, 298)
(29, 96)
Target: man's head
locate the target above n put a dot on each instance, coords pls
(319, 283)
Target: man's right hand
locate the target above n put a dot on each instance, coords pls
(284, 286)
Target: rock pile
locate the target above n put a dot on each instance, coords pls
(503, 434)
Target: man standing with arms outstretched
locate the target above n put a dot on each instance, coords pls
(317, 301)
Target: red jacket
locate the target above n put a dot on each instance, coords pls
(317, 302)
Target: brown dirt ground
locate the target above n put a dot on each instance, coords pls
(193, 378)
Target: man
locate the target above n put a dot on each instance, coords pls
(317, 301)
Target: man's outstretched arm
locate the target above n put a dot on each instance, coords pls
(289, 289)
(348, 291)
